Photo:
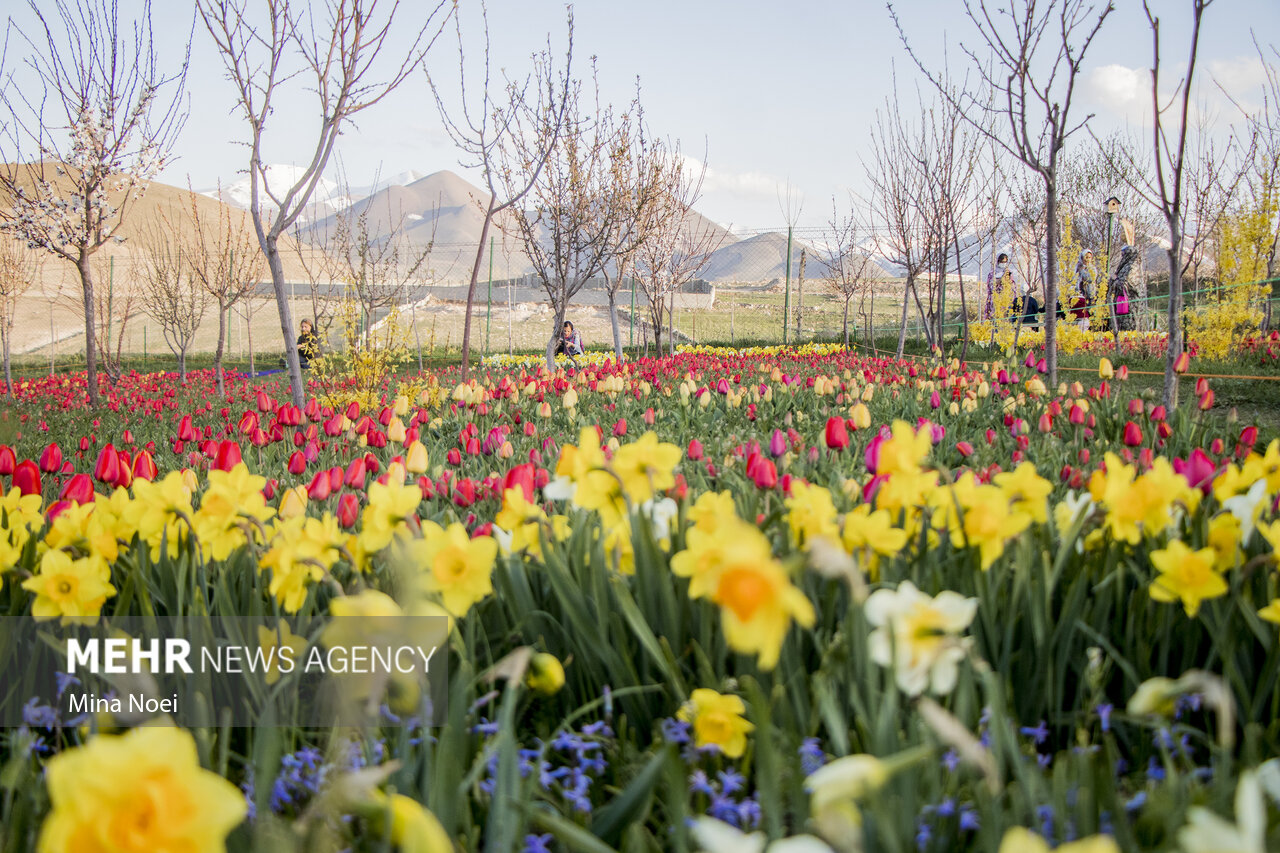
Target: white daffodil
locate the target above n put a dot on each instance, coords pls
(848, 778)
(562, 488)
(714, 836)
(918, 636)
(1206, 832)
(1247, 507)
(660, 513)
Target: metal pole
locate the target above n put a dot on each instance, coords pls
(786, 299)
(488, 309)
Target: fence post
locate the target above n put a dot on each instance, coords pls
(786, 299)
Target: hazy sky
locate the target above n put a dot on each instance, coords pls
(775, 92)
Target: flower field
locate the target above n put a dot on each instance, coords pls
(794, 599)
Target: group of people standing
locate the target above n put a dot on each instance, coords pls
(1025, 307)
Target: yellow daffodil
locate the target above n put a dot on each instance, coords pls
(70, 589)
(232, 499)
(646, 467)
(1186, 575)
(717, 721)
(811, 514)
(144, 790)
(1019, 839)
(390, 504)
(757, 601)
(455, 566)
(277, 643)
(1026, 491)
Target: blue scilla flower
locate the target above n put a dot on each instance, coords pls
(484, 727)
(1104, 715)
(39, 716)
(675, 731)
(699, 784)
(811, 756)
(1155, 770)
(731, 781)
(951, 760)
(1045, 815)
(946, 808)
(749, 813)
(566, 741)
(597, 729)
(537, 843)
(65, 682)
(578, 791)
(1039, 733)
(924, 833)
(1136, 802)
(725, 808)
(969, 820)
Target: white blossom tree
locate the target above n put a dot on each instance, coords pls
(19, 268)
(83, 135)
(337, 48)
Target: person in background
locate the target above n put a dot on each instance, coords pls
(1086, 277)
(1120, 293)
(1000, 281)
(570, 343)
(308, 344)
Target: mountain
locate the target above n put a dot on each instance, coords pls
(327, 199)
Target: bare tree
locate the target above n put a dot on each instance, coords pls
(850, 271)
(320, 269)
(1169, 150)
(527, 116)
(172, 294)
(680, 242)
(790, 205)
(97, 79)
(224, 259)
(1031, 56)
(376, 268)
(635, 198)
(568, 220)
(19, 268)
(336, 46)
(903, 238)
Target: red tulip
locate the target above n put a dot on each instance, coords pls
(464, 493)
(1202, 385)
(1182, 362)
(79, 490)
(1076, 415)
(335, 478)
(872, 453)
(453, 457)
(620, 428)
(297, 462)
(1248, 437)
(1045, 423)
(694, 452)
(765, 475)
(51, 459)
(127, 437)
(348, 509)
(1206, 401)
(107, 468)
(965, 448)
(318, 489)
(227, 456)
(144, 467)
(124, 476)
(649, 416)
(1135, 407)
(1083, 456)
(333, 426)
(355, 475)
(26, 478)
(186, 432)
(84, 443)
(520, 477)
(1132, 434)
(353, 410)
(8, 460)
(837, 434)
(427, 487)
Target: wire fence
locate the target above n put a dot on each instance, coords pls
(769, 286)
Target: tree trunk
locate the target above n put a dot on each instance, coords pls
(902, 327)
(182, 365)
(1175, 316)
(1051, 272)
(8, 373)
(613, 322)
(845, 321)
(218, 372)
(90, 332)
(471, 289)
(924, 320)
(248, 331)
(560, 311)
(671, 324)
(274, 261)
